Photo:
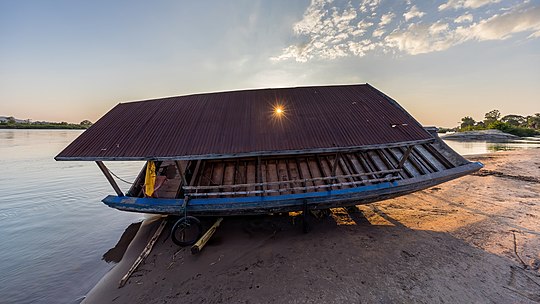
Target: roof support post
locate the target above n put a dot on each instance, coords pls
(405, 157)
(109, 177)
(181, 172)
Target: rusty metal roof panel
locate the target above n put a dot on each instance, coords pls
(241, 123)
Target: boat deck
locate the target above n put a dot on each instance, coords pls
(282, 175)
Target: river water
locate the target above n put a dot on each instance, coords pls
(53, 227)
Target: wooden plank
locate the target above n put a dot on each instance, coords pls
(365, 165)
(430, 158)
(251, 174)
(385, 160)
(146, 251)
(334, 163)
(439, 156)
(321, 168)
(196, 173)
(109, 177)
(300, 172)
(424, 161)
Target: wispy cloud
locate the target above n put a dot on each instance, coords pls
(413, 13)
(332, 29)
(457, 4)
(466, 18)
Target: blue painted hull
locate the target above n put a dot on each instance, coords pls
(290, 202)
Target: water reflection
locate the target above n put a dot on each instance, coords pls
(481, 147)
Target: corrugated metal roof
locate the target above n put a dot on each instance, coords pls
(241, 123)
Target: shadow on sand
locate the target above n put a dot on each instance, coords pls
(345, 258)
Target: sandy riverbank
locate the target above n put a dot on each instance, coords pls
(475, 239)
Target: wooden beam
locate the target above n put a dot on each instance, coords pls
(195, 174)
(405, 157)
(181, 172)
(109, 177)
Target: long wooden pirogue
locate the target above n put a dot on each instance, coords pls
(267, 151)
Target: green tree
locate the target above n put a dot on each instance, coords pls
(467, 122)
(86, 122)
(515, 120)
(533, 121)
(11, 120)
(491, 117)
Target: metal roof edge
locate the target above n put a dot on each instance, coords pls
(251, 154)
(244, 90)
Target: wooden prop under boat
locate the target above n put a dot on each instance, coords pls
(273, 184)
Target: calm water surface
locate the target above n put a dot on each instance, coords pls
(481, 147)
(53, 227)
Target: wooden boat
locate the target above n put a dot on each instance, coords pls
(268, 151)
(272, 184)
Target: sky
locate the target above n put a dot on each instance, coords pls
(441, 60)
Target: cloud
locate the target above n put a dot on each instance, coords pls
(328, 32)
(500, 27)
(464, 18)
(413, 13)
(386, 18)
(422, 38)
(457, 4)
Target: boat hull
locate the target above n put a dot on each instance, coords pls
(253, 205)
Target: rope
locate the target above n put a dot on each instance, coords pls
(125, 181)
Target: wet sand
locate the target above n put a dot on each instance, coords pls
(475, 239)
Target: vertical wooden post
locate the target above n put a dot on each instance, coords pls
(109, 177)
(181, 172)
(405, 156)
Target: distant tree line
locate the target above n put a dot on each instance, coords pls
(513, 124)
(12, 123)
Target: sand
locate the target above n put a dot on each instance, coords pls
(475, 239)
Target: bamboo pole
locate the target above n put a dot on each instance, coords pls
(146, 251)
(109, 177)
(197, 247)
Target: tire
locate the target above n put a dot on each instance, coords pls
(186, 231)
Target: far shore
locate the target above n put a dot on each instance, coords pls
(474, 239)
(481, 135)
(43, 127)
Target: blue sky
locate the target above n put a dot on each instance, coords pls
(442, 60)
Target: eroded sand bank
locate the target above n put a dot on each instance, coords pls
(475, 239)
